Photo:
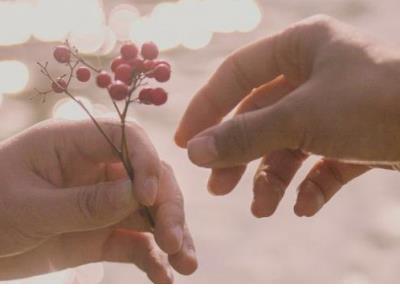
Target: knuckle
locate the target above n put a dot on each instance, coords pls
(242, 80)
(296, 47)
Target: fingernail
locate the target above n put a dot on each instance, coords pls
(202, 150)
(150, 191)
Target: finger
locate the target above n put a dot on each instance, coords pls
(251, 135)
(143, 252)
(323, 181)
(273, 176)
(72, 250)
(83, 137)
(169, 213)
(84, 208)
(235, 78)
(223, 181)
(185, 261)
(250, 67)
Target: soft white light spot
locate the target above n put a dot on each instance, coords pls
(14, 76)
(166, 25)
(121, 20)
(221, 15)
(141, 30)
(248, 15)
(88, 40)
(197, 39)
(68, 109)
(198, 34)
(109, 43)
(55, 19)
(15, 22)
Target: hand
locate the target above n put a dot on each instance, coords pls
(65, 200)
(317, 87)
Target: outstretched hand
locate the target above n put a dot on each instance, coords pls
(66, 201)
(317, 87)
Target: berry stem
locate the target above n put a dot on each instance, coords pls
(48, 75)
(75, 54)
(69, 55)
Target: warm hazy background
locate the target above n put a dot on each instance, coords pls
(356, 238)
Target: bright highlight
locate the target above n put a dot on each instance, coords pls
(14, 76)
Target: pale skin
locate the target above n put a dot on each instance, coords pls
(65, 201)
(316, 88)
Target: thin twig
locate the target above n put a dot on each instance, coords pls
(79, 59)
(48, 75)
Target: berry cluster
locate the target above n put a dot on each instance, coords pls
(127, 72)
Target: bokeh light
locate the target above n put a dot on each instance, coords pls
(14, 76)
(166, 25)
(13, 30)
(67, 108)
(248, 21)
(191, 23)
(56, 19)
(88, 40)
(196, 38)
(187, 23)
(121, 20)
(198, 34)
(109, 43)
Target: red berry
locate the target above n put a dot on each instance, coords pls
(159, 96)
(149, 65)
(103, 79)
(116, 62)
(62, 54)
(137, 65)
(124, 73)
(145, 95)
(149, 51)
(59, 86)
(162, 62)
(83, 74)
(129, 51)
(162, 73)
(118, 90)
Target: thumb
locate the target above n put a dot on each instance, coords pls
(251, 135)
(91, 207)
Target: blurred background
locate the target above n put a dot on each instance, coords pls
(355, 238)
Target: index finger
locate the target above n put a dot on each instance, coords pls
(239, 74)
